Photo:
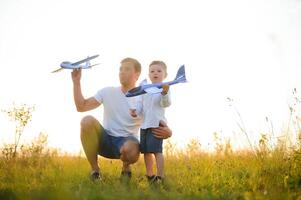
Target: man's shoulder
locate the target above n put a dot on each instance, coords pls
(108, 90)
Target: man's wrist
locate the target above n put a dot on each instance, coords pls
(76, 82)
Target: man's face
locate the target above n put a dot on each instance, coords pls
(127, 74)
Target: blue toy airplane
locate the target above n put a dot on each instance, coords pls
(157, 87)
(76, 65)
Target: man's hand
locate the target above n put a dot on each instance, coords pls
(165, 89)
(76, 75)
(163, 131)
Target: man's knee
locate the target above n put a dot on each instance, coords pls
(130, 151)
(89, 125)
(88, 121)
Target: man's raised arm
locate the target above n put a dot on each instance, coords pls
(81, 103)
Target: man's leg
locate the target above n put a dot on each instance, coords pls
(90, 135)
(129, 154)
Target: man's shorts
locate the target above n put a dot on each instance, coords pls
(149, 143)
(110, 145)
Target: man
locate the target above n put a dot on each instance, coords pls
(116, 138)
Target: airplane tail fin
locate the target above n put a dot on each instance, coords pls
(181, 77)
(88, 64)
(144, 82)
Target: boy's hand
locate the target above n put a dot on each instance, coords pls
(165, 89)
(133, 112)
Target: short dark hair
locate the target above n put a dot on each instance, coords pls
(136, 63)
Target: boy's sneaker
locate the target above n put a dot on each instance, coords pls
(95, 175)
(159, 180)
(151, 179)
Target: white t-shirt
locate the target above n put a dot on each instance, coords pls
(152, 108)
(116, 118)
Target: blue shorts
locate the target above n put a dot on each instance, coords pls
(149, 143)
(110, 145)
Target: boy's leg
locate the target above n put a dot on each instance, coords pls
(90, 135)
(160, 164)
(148, 160)
(129, 153)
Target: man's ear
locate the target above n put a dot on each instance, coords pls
(137, 76)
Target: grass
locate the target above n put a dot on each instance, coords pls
(40, 173)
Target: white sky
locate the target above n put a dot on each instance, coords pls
(248, 50)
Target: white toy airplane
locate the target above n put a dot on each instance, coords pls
(76, 65)
(157, 87)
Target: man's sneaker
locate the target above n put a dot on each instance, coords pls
(125, 176)
(95, 175)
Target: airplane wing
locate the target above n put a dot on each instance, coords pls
(153, 90)
(85, 60)
(144, 82)
(57, 70)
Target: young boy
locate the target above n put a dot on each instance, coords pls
(152, 107)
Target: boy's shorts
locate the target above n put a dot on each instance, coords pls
(149, 143)
(110, 145)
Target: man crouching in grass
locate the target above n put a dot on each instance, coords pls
(116, 137)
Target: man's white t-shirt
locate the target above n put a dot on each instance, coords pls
(116, 117)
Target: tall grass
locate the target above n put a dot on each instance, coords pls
(41, 173)
(266, 170)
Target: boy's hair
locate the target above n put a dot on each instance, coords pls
(136, 63)
(159, 62)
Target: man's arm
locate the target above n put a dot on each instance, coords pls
(163, 131)
(81, 103)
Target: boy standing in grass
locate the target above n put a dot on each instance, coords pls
(152, 107)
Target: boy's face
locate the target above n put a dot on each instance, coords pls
(127, 74)
(156, 73)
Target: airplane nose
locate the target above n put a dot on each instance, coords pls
(65, 63)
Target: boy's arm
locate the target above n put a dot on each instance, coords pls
(139, 106)
(136, 105)
(165, 96)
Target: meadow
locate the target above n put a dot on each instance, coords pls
(39, 172)
(265, 170)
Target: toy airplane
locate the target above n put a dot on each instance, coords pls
(156, 87)
(77, 65)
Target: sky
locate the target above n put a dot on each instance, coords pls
(247, 50)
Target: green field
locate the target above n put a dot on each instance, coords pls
(39, 173)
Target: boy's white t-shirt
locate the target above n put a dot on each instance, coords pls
(116, 117)
(152, 107)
